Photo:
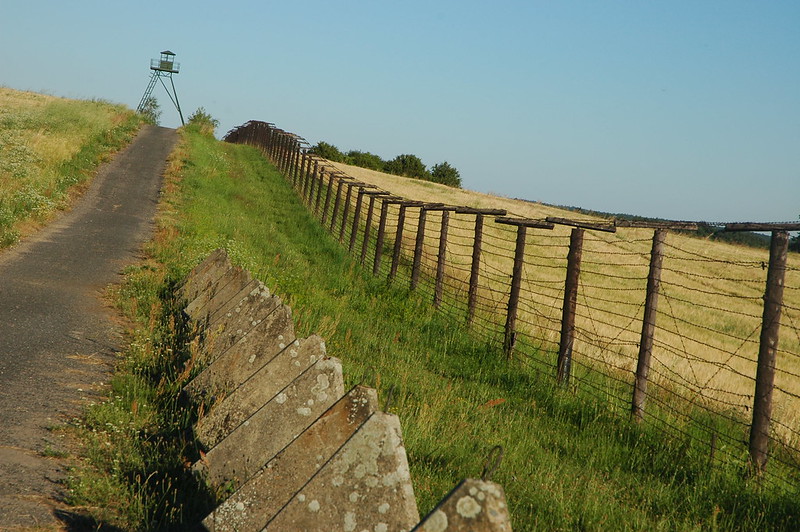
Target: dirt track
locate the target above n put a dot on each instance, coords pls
(57, 337)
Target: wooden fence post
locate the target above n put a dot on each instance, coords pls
(345, 210)
(440, 260)
(356, 217)
(327, 196)
(570, 303)
(269, 143)
(305, 174)
(477, 244)
(513, 297)
(474, 270)
(295, 162)
(287, 150)
(285, 155)
(522, 225)
(281, 151)
(290, 160)
(398, 240)
(368, 224)
(336, 203)
(418, 248)
(376, 264)
(765, 374)
(274, 138)
(648, 325)
(289, 154)
(320, 182)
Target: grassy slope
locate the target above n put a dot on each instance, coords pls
(47, 146)
(569, 463)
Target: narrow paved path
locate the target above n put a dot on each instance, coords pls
(57, 334)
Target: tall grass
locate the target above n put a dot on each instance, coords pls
(47, 146)
(570, 463)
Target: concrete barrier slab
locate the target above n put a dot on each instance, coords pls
(208, 280)
(473, 506)
(248, 355)
(228, 329)
(259, 438)
(217, 293)
(257, 390)
(257, 501)
(252, 292)
(209, 269)
(365, 486)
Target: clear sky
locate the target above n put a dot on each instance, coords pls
(674, 109)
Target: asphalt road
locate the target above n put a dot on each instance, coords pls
(57, 334)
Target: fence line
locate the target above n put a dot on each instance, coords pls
(671, 329)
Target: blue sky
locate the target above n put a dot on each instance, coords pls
(674, 109)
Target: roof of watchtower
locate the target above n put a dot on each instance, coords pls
(167, 52)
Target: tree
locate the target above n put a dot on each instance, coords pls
(151, 111)
(365, 159)
(446, 174)
(408, 165)
(328, 151)
(203, 122)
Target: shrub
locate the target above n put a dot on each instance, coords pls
(365, 159)
(151, 111)
(446, 174)
(408, 165)
(329, 151)
(202, 122)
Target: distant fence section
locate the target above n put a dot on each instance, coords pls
(283, 439)
(664, 327)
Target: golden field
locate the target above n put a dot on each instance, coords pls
(709, 319)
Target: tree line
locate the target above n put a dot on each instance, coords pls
(406, 165)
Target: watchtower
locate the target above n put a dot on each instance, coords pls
(163, 67)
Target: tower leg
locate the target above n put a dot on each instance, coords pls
(148, 91)
(177, 104)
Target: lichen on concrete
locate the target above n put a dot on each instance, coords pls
(261, 387)
(473, 505)
(366, 485)
(273, 426)
(257, 501)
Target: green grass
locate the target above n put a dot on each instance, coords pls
(570, 463)
(136, 448)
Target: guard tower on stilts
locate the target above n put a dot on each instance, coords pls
(163, 67)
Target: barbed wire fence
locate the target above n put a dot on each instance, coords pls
(654, 326)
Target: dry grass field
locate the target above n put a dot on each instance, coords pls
(48, 145)
(709, 318)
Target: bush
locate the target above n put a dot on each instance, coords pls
(329, 151)
(365, 159)
(445, 174)
(407, 165)
(202, 122)
(151, 111)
